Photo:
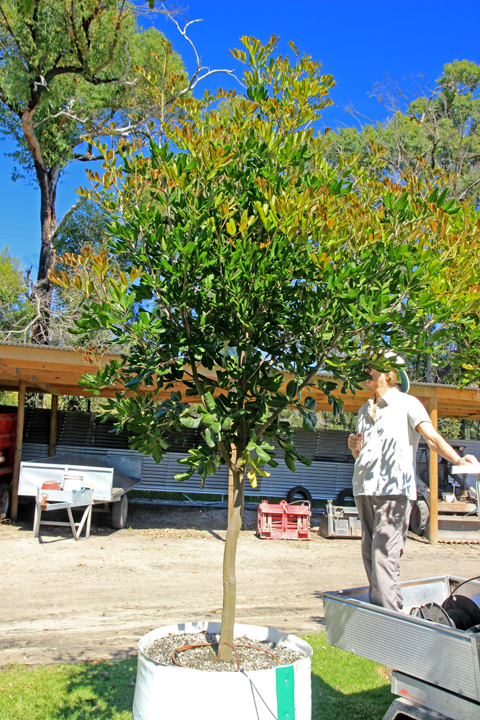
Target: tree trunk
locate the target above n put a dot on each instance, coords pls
(229, 557)
(429, 371)
(42, 293)
(47, 182)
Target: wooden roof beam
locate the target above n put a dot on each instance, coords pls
(29, 381)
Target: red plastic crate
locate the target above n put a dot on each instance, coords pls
(284, 521)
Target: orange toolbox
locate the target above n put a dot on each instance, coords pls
(284, 521)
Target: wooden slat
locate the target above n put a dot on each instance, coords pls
(47, 354)
(52, 442)
(43, 376)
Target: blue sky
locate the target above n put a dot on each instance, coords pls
(357, 41)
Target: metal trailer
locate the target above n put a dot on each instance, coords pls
(436, 668)
(110, 477)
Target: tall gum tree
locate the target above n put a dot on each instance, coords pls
(66, 70)
(252, 264)
(428, 128)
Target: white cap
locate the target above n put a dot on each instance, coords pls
(404, 381)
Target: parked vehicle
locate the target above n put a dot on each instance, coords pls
(458, 518)
(8, 432)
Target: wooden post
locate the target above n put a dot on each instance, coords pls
(18, 447)
(433, 476)
(52, 442)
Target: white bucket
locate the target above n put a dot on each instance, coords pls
(72, 481)
(166, 691)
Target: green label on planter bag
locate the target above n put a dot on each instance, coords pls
(285, 680)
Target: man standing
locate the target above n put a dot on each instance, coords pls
(389, 426)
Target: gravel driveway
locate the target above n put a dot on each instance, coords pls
(65, 601)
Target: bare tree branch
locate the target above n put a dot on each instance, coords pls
(76, 206)
(197, 77)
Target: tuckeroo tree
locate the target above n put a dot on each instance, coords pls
(251, 265)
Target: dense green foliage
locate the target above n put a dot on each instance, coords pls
(15, 308)
(12, 278)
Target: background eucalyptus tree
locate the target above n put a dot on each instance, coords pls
(67, 70)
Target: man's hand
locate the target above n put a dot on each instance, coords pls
(468, 460)
(355, 443)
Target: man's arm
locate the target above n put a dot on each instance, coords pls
(439, 445)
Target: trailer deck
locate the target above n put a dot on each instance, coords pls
(423, 654)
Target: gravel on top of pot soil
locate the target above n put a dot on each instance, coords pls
(202, 658)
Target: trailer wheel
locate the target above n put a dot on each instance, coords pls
(419, 517)
(345, 495)
(299, 492)
(119, 513)
(4, 500)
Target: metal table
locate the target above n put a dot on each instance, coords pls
(47, 500)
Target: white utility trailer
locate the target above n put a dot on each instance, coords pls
(110, 477)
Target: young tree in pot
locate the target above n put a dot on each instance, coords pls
(254, 264)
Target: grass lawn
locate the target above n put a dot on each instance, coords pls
(343, 687)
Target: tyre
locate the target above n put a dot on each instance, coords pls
(345, 495)
(419, 517)
(119, 513)
(4, 499)
(299, 493)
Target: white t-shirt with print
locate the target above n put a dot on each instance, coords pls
(386, 462)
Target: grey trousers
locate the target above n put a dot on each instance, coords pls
(384, 520)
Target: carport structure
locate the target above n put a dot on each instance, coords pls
(57, 371)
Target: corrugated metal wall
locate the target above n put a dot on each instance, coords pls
(323, 479)
(81, 432)
(330, 472)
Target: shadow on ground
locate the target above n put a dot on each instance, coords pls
(329, 703)
(141, 517)
(102, 690)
